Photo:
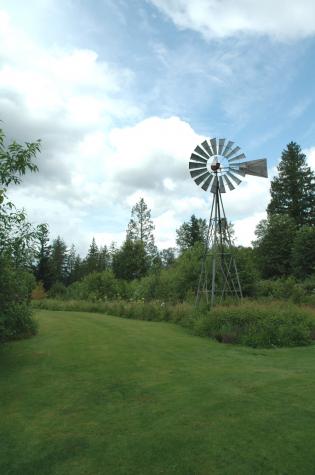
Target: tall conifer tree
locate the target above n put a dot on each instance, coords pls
(140, 227)
(293, 191)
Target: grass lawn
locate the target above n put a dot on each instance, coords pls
(93, 394)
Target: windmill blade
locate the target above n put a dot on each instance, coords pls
(214, 146)
(215, 185)
(255, 168)
(237, 170)
(206, 184)
(195, 173)
(202, 178)
(221, 185)
(196, 165)
(195, 157)
(234, 178)
(206, 146)
(228, 148)
(229, 183)
(233, 152)
(221, 145)
(201, 152)
(238, 157)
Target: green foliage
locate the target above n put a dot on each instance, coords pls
(273, 245)
(247, 270)
(259, 325)
(58, 290)
(43, 270)
(131, 261)
(39, 292)
(140, 228)
(99, 286)
(16, 234)
(16, 160)
(293, 191)
(58, 260)
(303, 252)
(15, 311)
(191, 232)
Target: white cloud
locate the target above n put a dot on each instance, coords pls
(245, 228)
(310, 155)
(92, 171)
(282, 19)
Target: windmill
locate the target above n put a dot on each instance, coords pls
(216, 165)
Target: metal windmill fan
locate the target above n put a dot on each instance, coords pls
(218, 162)
(213, 165)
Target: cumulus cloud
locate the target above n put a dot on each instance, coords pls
(93, 171)
(283, 19)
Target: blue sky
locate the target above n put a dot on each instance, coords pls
(120, 92)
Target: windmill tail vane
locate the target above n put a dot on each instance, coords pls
(217, 165)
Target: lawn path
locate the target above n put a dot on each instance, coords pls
(93, 394)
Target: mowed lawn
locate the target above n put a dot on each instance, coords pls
(92, 394)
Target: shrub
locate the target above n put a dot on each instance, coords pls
(15, 310)
(38, 293)
(58, 290)
(258, 325)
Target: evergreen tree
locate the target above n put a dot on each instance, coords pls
(43, 271)
(131, 261)
(191, 232)
(92, 258)
(293, 191)
(273, 245)
(58, 259)
(72, 265)
(303, 252)
(140, 227)
(103, 259)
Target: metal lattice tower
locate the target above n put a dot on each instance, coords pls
(213, 165)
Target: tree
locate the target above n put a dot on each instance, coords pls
(303, 252)
(59, 254)
(131, 261)
(167, 257)
(103, 259)
(16, 244)
(42, 255)
(191, 232)
(140, 227)
(273, 245)
(74, 267)
(293, 191)
(92, 258)
(16, 234)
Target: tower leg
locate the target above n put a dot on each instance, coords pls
(224, 274)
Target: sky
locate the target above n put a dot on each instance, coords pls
(120, 92)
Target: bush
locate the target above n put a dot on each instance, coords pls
(285, 288)
(38, 292)
(58, 290)
(15, 296)
(259, 325)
